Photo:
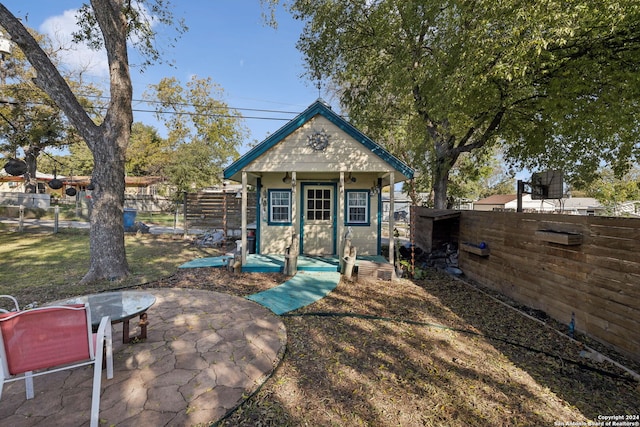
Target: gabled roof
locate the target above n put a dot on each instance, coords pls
(317, 108)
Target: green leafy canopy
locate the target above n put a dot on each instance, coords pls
(556, 83)
(203, 132)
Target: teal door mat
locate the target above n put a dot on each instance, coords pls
(305, 288)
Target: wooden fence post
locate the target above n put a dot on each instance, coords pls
(184, 212)
(21, 223)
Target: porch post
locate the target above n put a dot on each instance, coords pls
(391, 219)
(294, 207)
(340, 216)
(244, 217)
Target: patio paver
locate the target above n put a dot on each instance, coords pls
(204, 354)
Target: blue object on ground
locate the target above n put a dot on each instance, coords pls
(453, 270)
(305, 288)
(216, 261)
(572, 325)
(129, 218)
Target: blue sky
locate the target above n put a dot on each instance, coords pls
(258, 67)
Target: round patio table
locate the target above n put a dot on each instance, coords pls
(120, 306)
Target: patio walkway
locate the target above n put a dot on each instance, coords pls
(205, 353)
(305, 288)
(314, 279)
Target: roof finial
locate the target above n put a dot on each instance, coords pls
(318, 77)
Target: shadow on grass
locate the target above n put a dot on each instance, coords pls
(393, 366)
(345, 369)
(549, 358)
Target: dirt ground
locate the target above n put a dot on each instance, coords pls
(434, 352)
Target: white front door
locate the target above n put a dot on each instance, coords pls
(318, 220)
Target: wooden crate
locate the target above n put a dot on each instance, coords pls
(435, 227)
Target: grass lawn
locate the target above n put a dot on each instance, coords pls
(434, 352)
(70, 213)
(42, 267)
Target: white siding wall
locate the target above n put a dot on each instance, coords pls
(274, 239)
(342, 154)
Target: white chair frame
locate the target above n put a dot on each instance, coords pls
(103, 346)
(15, 302)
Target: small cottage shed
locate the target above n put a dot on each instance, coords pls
(316, 179)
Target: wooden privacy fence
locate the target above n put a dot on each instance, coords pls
(560, 264)
(217, 211)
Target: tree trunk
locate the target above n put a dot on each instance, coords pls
(108, 257)
(440, 184)
(30, 178)
(445, 158)
(106, 237)
(107, 142)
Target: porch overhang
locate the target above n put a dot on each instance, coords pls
(384, 177)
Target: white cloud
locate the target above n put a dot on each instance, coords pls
(73, 56)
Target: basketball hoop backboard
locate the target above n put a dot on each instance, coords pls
(547, 185)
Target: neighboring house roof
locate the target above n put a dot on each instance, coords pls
(497, 199)
(510, 201)
(142, 181)
(5, 177)
(317, 108)
(129, 181)
(398, 197)
(568, 203)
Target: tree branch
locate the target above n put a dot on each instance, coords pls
(482, 140)
(48, 77)
(111, 23)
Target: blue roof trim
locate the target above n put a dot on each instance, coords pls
(318, 107)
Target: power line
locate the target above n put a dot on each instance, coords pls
(180, 104)
(185, 104)
(191, 113)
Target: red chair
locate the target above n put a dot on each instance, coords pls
(51, 339)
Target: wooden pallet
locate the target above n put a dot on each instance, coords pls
(375, 270)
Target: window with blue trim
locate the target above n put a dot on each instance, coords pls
(280, 207)
(357, 207)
